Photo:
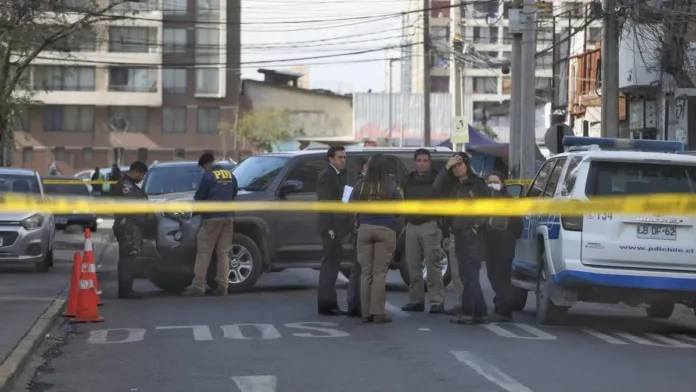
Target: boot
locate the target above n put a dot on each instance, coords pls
(381, 319)
(220, 291)
(413, 307)
(193, 291)
(125, 290)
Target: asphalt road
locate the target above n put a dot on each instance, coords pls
(273, 340)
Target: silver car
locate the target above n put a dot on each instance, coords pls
(26, 238)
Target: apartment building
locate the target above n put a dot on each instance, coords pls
(486, 90)
(154, 86)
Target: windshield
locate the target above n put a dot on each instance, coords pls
(18, 184)
(174, 179)
(66, 189)
(634, 178)
(257, 172)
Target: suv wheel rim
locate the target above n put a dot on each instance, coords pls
(444, 263)
(241, 264)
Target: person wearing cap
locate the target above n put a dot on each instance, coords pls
(216, 231)
(458, 181)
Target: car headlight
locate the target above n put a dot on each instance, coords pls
(33, 222)
(179, 216)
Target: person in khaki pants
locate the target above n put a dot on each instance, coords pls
(216, 231)
(454, 270)
(376, 240)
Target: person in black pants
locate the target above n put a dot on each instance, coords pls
(332, 228)
(354, 309)
(458, 180)
(500, 236)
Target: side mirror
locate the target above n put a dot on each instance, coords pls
(291, 186)
(514, 190)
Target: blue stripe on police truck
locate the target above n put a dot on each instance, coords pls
(582, 278)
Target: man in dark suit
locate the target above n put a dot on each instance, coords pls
(332, 228)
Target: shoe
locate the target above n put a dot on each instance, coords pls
(194, 292)
(366, 320)
(332, 311)
(381, 319)
(220, 291)
(481, 320)
(454, 310)
(500, 318)
(354, 313)
(462, 319)
(413, 307)
(129, 294)
(437, 309)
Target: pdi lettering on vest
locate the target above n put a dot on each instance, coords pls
(222, 174)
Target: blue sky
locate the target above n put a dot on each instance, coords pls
(277, 30)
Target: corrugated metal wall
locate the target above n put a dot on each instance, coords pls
(371, 117)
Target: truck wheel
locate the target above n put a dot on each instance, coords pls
(547, 313)
(444, 268)
(660, 310)
(171, 282)
(519, 299)
(246, 265)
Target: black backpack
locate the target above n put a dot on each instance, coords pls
(499, 223)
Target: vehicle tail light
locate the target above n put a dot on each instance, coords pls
(572, 223)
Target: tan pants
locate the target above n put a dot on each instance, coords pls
(376, 245)
(215, 234)
(454, 268)
(423, 245)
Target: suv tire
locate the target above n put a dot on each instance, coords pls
(519, 299)
(403, 271)
(43, 265)
(171, 282)
(547, 313)
(660, 310)
(247, 248)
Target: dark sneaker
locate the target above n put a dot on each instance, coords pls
(499, 318)
(462, 319)
(368, 319)
(381, 319)
(481, 320)
(354, 313)
(411, 307)
(437, 309)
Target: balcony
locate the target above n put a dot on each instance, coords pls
(98, 98)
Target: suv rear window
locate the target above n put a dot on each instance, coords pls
(635, 178)
(11, 183)
(67, 189)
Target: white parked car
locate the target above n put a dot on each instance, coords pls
(86, 175)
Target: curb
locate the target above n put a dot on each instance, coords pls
(19, 356)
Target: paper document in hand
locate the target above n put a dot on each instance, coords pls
(347, 190)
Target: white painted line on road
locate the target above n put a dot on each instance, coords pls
(424, 329)
(603, 336)
(256, 383)
(200, 332)
(342, 278)
(500, 331)
(490, 372)
(395, 310)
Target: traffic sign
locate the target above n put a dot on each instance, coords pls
(460, 132)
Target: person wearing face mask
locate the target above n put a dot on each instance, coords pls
(500, 236)
(458, 181)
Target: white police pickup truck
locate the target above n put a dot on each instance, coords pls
(608, 258)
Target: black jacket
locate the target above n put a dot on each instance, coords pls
(450, 187)
(330, 188)
(128, 188)
(500, 244)
(420, 187)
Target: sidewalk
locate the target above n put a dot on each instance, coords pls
(30, 301)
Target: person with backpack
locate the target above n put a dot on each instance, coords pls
(500, 236)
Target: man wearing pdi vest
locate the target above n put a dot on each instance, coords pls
(216, 232)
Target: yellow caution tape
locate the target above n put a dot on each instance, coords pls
(676, 204)
(76, 182)
(521, 182)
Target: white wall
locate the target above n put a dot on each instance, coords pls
(638, 65)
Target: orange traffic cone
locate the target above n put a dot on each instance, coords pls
(74, 286)
(89, 259)
(87, 298)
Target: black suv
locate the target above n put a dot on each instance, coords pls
(263, 241)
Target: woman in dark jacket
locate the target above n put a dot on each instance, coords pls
(376, 240)
(458, 181)
(500, 236)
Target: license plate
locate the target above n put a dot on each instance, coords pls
(653, 232)
(62, 221)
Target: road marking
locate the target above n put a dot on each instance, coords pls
(603, 336)
(326, 332)
(667, 342)
(256, 383)
(490, 372)
(395, 310)
(234, 331)
(424, 329)
(200, 332)
(500, 331)
(342, 277)
(101, 336)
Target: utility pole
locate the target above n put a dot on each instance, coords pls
(528, 103)
(610, 71)
(426, 73)
(515, 147)
(391, 105)
(455, 72)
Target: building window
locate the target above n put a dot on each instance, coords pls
(128, 118)
(83, 40)
(486, 35)
(506, 38)
(87, 155)
(576, 9)
(174, 7)
(486, 7)
(133, 6)
(207, 45)
(207, 80)
(543, 83)
(506, 55)
(208, 120)
(56, 78)
(440, 9)
(20, 120)
(482, 111)
(594, 35)
(142, 80)
(179, 153)
(439, 84)
(507, 85)
(545, 61)
(68, 118)
(132, 39)
(173, 120)
(483, 85)
(174, 80)
(58, 154)
(207, 9)
(174, 41)
(27, 154)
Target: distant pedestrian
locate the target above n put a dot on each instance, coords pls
(97, 176)
(376, 239)
(354, 279)
(332, 228)
(216, 231)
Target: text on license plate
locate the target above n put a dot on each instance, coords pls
(61, 221)
(654, 232)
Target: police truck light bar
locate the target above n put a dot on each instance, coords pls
(623, 144)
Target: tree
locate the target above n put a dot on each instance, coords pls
(488, 132)
(266, 127)
(28, 28)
